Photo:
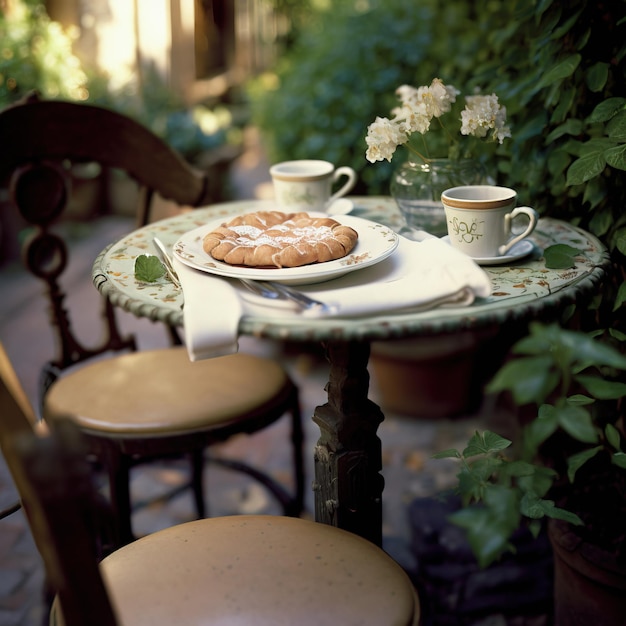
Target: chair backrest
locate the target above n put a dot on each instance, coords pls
(38, 140)
(53, 479)
(34, 131)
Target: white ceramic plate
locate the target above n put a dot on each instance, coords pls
(518, 251)
(375, 243)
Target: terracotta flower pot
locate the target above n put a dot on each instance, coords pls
(433, 377)
(589, 585)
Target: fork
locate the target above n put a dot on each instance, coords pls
(167, 261)
(256, 287)
(274, 290)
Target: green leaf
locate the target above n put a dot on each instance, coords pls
(617, 334)
(501, 501)
(566, 98)
(540, 429)
(596, 76)
(591, 352)
(470, 487)
(564, 27)
(485, 443)
(577, 422)
(612, 436)
(606, 110)
(517, 469)
(616, 128)
(584, 168)
(530, 379)
(451, 453)
(620, 240)
(148, 269)
(602, 389)
(549, 510)
(602, 219)
(569, 127)
(616, 157)
(576, 461)
(532, 506)
(619, 459)
(489, 527)
(488, 538)
(595, 193)
(580, 400)
(560, 256)
(539, 482)
(561, 70)
(558, 160)
(621, 297)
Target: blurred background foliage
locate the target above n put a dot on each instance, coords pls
(36, 54)
(559, 68)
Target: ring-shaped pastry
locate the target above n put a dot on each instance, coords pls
(276, 239)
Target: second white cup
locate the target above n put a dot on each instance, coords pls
(306, 185)
(480, 219)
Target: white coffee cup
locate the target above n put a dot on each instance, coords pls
(306, 185)
(480, 219)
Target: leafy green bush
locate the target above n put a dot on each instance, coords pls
(36, 54)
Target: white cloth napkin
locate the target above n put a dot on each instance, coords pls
(416, 276)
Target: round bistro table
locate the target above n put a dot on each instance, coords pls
(348, 485)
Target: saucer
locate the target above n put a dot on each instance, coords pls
(341, 206)
(518, 251)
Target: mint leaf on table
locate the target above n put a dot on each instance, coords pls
(148, 269)
(560, 256)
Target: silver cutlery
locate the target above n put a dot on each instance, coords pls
(167, 261)
(298, 297)
(274, 290)
(256, 287)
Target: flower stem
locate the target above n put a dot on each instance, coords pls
(410, 148)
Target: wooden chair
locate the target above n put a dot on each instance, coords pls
(134, 405)
(248, 569)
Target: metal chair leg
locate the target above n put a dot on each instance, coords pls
(197, 482)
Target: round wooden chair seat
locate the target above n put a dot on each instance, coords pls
(261, 570)
(133, 395)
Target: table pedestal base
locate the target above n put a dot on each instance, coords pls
(348, 485)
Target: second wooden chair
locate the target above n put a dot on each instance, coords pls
(134, 405)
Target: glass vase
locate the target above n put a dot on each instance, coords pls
(416, 187)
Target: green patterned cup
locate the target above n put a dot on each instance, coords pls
(306, 185)
(480, 219)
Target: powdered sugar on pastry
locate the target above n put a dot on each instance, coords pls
(273, 238)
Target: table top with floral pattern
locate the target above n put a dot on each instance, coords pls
(522, 290)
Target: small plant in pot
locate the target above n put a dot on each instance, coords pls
(569, 467)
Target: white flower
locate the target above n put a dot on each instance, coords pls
(383, 137)
(482, 114)
(419, 106)
(439, 97)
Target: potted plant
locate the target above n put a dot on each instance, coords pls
(568, 467)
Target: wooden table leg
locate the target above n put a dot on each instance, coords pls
(348, 484)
